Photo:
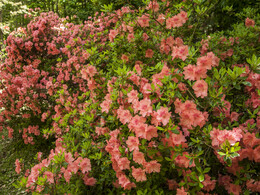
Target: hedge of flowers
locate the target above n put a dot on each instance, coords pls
(138, 101)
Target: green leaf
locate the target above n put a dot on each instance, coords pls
(247, 83)
(160, 128)
(221, 153)
(206, 170)
(201, 178)
(175, 131)
(167, 135)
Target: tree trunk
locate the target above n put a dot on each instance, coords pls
(65, 11)
(1, 33)
(52, 5)
(57, 7)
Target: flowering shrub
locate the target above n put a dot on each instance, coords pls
(135, 103)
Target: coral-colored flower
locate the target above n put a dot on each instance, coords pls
(124, 115)
(130, 37)
(49, 175)
(112, 35)
(180, 52)
(123, 163)
(150, 132)
(17, 166)
(145, 107)
(233, 188)
(138, 157)
(91, 70)
(200, 88)
(153, 5)
(163, 115)
(220, 136)
(67, 176)
(135, 122)
(177, 139)
(249, 22)
(149, 53)
(73, 167)
(181, 191)
(257, 154)
(189, 72)
(124, 58)
(140, 130)
(138, 174)
(133, 143)
(85, 165)
(182, 161)
(208, 184)
(143, 21)
(105, 106)
(152, 166)
(101, 130)
(89, 181)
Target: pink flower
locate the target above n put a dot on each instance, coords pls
(200, 88)
(150, 132)
(49, 176)
(132, 96)
(18, 166)
(124, 115)
(257, 154)
(68, 157)
(208, 184)
(153, 5)
(130, 37)
(249, 22)
(105, 106)
(123, 163)
(189, 72)
(180, 52)
(143, 21)
(145, 107)
(133, 143)
(101, 130)
(181, 191)
(91, 70)
(220, 136)
(161, 18)
(140, 130)
(233, 188)
(85, 165)
(177, 139)
(138, 157)
(67, 176)
(112, 35)
(152, 166)
(73, 167)
(138, 174)
(89, 181)
(149, 53)
(163, 115)
(135, 122)
(124, 58)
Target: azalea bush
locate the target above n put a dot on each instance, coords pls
(136, 101)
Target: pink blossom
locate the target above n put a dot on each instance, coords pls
(145, 107)
(163, 115)
(138, 174)
(85, 165)
(200, 88)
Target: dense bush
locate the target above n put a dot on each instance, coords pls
(138, 101)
